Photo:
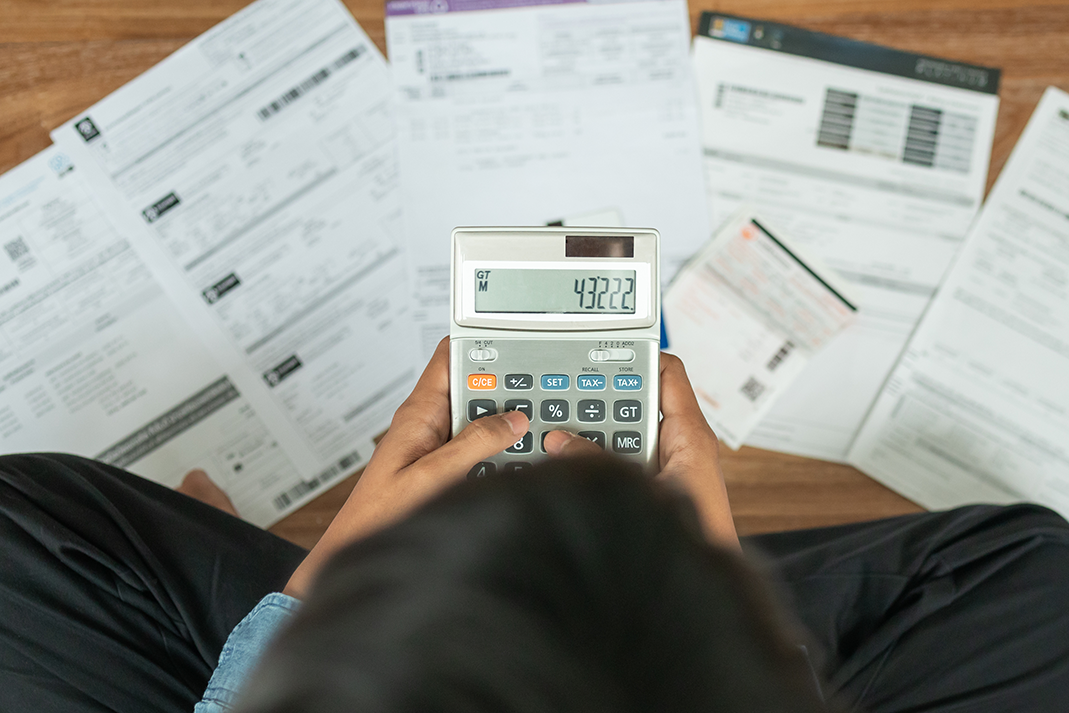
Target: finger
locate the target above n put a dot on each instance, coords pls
(421, 423)
(478, 441)
(564, 444)
(685, 433)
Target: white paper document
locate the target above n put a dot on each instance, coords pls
(873, 160)
(978, 408)
(745, 316)
(254, 173)
(515, 112)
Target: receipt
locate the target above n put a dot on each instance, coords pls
(523, 113)
(95, 358)
(977, 410)
(255, 171)
(746, 315)
(872, 159)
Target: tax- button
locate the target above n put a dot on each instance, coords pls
(627, 411)
(482, 382)
(627, 382)
(590, 382)
(554, 382)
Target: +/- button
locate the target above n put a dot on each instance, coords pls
(482, 354)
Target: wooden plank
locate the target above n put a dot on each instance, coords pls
(57, 58)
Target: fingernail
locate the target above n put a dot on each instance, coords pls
(517, 422)
(555, 443)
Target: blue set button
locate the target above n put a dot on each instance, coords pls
(590, 382)
(626, 382)
(554, 382)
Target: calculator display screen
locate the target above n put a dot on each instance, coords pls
(555, 291)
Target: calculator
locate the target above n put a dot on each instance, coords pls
(562, 324)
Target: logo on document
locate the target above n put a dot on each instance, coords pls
(87, 129)
(725, 28)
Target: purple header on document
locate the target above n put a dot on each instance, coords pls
(429, 7)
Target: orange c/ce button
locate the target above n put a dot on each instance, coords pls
(482, 382)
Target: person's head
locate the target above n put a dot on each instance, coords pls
(580, 587)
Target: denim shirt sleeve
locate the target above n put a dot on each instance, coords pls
(242, 651)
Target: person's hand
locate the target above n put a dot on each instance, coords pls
(688, 452)
(414, 461)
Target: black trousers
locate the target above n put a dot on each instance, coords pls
(117, 594)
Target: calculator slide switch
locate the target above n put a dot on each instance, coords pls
(482, 354)
(617, 355)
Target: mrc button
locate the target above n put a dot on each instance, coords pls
(627, 382)
(627, 442)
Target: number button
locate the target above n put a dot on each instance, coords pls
(554, 411)
(522, 405)
(597, 437)
(478, 408)
(627, 382)
(591, 411)
(516, 466)
(524, 445)
(627, 442)
(482, 470)
(627, 411)
(482, 382)
(519, 382)
(590, 382)
(554, 382)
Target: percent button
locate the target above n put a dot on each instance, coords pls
(554, 411)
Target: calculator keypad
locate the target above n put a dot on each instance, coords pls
(560, 377)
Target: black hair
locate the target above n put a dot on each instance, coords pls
(579, 587)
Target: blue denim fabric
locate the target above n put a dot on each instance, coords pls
(242, 651)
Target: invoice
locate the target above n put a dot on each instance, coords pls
(515, 112)
(978, 408)
(88, 344)
(257, 168)
(872, 159)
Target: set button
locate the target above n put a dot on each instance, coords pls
(554, 382)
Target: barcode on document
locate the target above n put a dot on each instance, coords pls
(780, 355)
(301, 89)
(16, 248)
(458, 76)
(752, 389)
(284, 500)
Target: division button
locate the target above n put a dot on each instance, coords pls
(597, 437)
(482, 382)
(554, 382)
(486, 354)
(627, 442)
(627, 382)
(590, 382)
(629, 411)
(522, 405)
(554, 411)
(519, 382)
(482, 470)
(591, 411)
(524, 445)
(477, 408)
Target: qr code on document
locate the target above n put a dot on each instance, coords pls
(16, 249)
(752, 389)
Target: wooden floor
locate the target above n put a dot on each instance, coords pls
(59, 57)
